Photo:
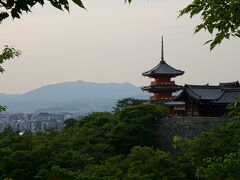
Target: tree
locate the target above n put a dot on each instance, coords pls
(234, 108)
(7, 54)
(113, 168)
(226, 167)
(213, 155)
(126, 102)
(219, 17)
(69, 123)
(145, 163)
(137, 126)
(15, 8)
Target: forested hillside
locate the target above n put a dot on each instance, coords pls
(120, 145)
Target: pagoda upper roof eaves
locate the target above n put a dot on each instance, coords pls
(163, 69)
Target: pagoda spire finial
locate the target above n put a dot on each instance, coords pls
(162, 55)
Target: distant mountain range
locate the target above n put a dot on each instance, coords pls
(77, 96)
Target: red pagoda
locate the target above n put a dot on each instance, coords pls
(162, 86)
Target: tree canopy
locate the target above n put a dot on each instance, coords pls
(126, 102)
(119, 146)
(88, 148)
(214, 154)
(221, 18)
(234, 108)
(15, 8)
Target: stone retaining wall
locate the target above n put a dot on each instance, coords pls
(189, 127)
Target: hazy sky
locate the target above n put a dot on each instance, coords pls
(111, 42)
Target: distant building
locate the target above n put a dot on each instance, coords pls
(194, 100)
(206, 100)
(162, 86)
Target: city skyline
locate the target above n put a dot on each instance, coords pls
(111, 42)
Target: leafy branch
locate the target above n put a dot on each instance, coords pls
(234, 108)
(7, 54)
(3, 108)
(15, 8)
(221, 18)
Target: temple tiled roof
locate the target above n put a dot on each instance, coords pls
(228, 96)
(230, 84)
(215, 94)
(163, 69)
(204, 92)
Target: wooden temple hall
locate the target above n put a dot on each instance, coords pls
(192, 100)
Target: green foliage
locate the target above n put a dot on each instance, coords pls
(137, 125)
(15, 8)
(3, 108)
(70, 123)
(226, 167)
(84, 149)
(209, 154)
(7, 54)
(119, 146)
(110, 169)
(146, 163)
(142, 163)
(219, 17)
(234, 108)
(126, 102)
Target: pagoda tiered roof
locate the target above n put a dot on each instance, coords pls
(170, 87)
(163, 69)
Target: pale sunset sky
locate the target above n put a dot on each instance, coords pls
(111, 42)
